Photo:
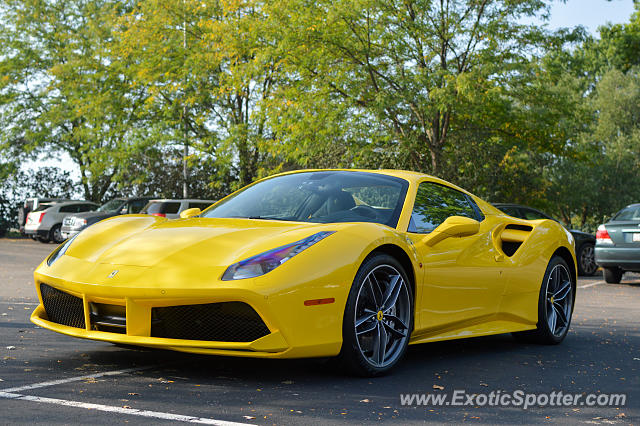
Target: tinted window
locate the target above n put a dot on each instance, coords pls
(69, 209)
(530, 214)
(171, 208)
(319, 197)
(512, 211)
(86, 207)
(136, 205)
(200, 206)
(629, 213)
(435, 203)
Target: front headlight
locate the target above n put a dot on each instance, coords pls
(60, 251)
(270, 260)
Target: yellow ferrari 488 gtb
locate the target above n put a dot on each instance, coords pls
(350, 263)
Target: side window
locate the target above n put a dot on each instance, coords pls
(73, 208)
(136, 205)
(86, 208)
(171, 208)
(435, 203)
(533, 215)
(512, 211)
(201, 206)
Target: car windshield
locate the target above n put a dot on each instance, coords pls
(110, 206)
(629, 213)
(319, 197)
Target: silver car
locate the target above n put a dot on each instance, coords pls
(45, 222)
(618, 244)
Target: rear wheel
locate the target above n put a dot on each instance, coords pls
(42, 239)
(378, 317)
(586, 259)
(555, 305)
(55, 234)
(613, 275)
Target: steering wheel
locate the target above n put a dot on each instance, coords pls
(366, 211)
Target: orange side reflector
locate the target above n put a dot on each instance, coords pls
(313, 302)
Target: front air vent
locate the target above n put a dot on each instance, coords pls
(62, 308)
(220, 322)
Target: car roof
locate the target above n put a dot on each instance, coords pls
(69, 203)
(170, 200)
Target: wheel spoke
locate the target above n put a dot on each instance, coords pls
(552, 320)
(397, 333)
(560, 313)
(364, 319)
(374, 286)
(370, 328)
(397, 321)
(563, 292)
(381, 351)
(391, 295)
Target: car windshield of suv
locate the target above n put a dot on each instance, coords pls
(319, 197)
(629, 213)
(110, 206)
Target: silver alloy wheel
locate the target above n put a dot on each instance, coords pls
(588, 259)
(382, 316)
(559, 300)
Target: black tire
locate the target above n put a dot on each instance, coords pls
(55, 235)
(543, 333)
(586, 260)
(399, 317)
(43, 240)
(613, 275)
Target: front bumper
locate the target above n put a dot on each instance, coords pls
(294, 330)
(68, 232)
(37, 232)
(627, 258)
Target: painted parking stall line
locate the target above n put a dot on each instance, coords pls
(120, 410)
(591, 284)
(75, 379)
(12, 393)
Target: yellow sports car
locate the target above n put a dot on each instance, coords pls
(315, 263)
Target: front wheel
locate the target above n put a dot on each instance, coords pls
(555, 305)
(378, 317)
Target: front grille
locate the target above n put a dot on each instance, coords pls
(220, 322)
(62, 308)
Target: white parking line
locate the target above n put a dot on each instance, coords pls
(120, 410)
(591, 284)
(75, 379)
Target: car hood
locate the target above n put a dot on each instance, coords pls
(93, 217)
(146, 241)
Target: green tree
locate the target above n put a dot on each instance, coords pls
(60, 89)
(419, 74)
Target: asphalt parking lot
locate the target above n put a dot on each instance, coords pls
(54, 379)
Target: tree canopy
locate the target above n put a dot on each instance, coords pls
(474, 91)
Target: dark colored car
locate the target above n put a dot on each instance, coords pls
(618, 244)
(73, 224)
(585, 242)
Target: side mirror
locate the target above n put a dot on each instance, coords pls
(124, 211)
(453, 226)
(190, 213)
